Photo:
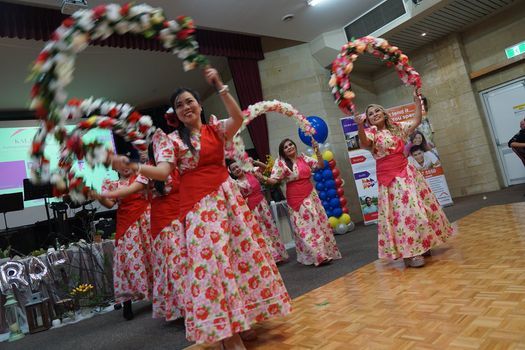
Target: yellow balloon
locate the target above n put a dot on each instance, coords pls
(314, 156)
(328, 155)
(345, 218)
(333, 221)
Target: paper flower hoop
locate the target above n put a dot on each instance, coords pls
(343, 65)
(53, 71)
(237, 151)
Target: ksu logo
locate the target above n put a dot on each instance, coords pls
(18, 137)
(368, 183)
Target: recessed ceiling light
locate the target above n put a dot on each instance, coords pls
(288, 17)
(423, 34)
(314, 2)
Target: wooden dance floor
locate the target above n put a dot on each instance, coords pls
(470, 295)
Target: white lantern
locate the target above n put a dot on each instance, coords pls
(11, 312)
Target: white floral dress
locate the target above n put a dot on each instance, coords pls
(263, 215)
(169, 252)
(132, 272)
(232, 279)
(314, 239)
(410, 220)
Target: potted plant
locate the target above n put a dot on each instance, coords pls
(82, 294)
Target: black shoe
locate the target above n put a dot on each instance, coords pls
(117, 306)
(127, 312)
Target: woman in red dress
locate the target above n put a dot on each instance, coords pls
(232, 280)
(132, 271)
(168, 254)
(252, 192)
(314, 240)
(410, 220)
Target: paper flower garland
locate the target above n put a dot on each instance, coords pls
(237, 151)
(343, 65)
(53, 71)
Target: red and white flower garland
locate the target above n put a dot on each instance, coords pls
(343, 65)
(53, 71)
(237, 151)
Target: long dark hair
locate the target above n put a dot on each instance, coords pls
(287, 160)
(159, 185)
(230, 162)
(184, 132)
(424, 145)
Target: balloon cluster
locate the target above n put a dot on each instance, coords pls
(329, 184)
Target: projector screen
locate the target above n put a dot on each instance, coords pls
(15, 161)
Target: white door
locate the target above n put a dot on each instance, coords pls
(505, 107)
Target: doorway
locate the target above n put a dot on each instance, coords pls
(504, 107)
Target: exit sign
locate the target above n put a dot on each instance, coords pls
(515, 50)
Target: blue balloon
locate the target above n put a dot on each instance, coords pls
(326, 165)
(323, 195)
(337, 212)
(329, 184)
(320, 186)
(332, 193)
(321, 131)
(327, 174)
(334, 202)
(326, 204)
(328, 213)
(318, 177)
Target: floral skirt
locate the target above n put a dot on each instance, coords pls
(410, 221)
(169, 258)
(132, 272)
(274, 242)
(232, 279)
(314, 239)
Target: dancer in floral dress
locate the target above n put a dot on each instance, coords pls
(233, 281)
(411, 221)
(132, 272)
(252, 192)
(169, 253)
(314, 240)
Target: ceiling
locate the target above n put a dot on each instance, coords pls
(259, 17)
(144, 78)
(445, 18)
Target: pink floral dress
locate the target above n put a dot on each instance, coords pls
(232, 280)
(132, 272)
(169, 253)
(410, 220)
(314, 240)
(263, 215)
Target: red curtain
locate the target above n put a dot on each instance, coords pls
(242, 51)
(245, 73)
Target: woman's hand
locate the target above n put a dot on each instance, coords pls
(259, 176)
(94, 195)
(119, 162)
(213, 78)
(417, 95)
(360, 119)
(259, 164)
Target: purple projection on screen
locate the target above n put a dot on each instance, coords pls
(13, 174)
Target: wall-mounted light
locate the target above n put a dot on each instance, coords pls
(423, 34)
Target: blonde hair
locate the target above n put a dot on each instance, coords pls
(387, 116)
